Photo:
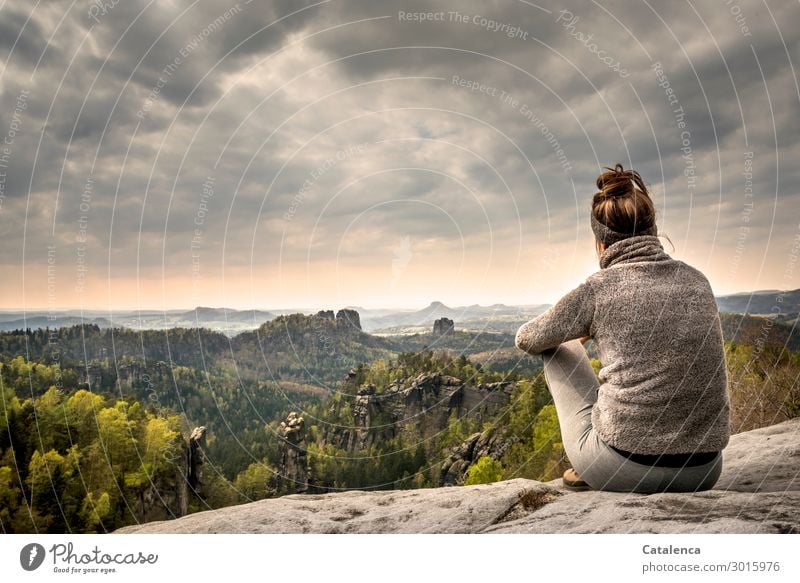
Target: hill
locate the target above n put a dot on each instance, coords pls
(765, 302)
(225, 320)
(478, 317)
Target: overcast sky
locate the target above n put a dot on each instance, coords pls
(384, 154)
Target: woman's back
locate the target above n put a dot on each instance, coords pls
(656, 325)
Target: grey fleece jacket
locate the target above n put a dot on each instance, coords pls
(654, 319)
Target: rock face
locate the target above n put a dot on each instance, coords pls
(489, 443)
(196, 459)
(346, 318)
(758, 492)
(164, 497)
(292, 473)
(443, 326)
(426, 400)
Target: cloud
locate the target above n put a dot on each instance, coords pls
(333, 130)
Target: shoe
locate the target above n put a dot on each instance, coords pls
(572, 481)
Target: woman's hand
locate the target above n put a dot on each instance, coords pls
(583, 339)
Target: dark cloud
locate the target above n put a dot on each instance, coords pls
(22, 36)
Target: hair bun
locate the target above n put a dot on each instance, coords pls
(622, 205)
(617, 182)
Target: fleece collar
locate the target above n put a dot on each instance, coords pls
(633, 249)
(609, 236)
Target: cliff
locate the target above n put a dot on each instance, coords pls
(426, 401)
(758, 492)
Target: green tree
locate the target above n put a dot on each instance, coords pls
(51, 423)
(82, 409)
(47, 479)
(485, 471)
(252, 482)
(94, 510)
(547, 445)
(116, 434)
(9, 497)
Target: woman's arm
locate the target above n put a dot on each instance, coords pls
(571, 317)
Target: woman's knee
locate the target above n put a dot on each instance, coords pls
(569, 351)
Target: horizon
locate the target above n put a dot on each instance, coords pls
(308, 309)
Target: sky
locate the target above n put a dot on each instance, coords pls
(384, 154)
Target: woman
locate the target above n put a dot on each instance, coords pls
(659, 416)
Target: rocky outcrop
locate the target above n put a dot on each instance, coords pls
(167, 495)
(348, 319)
(443, 326)
(426, 400)
(758, 492)
(492, 443)
(130, 373)
(164, 496)
(196, 459)
(292, 474)
(345, 319)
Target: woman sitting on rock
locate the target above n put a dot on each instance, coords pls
(659, 416)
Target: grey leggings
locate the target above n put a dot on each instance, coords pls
(573, 385)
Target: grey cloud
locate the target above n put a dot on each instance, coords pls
(592, 112)
(23, 36)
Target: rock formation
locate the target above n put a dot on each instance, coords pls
(443, 326)
(426, 400)
(196, 458)
(492, 443)
(345, 319)
(164, 497)
(292, 473)
(348, 319)
(758, 492)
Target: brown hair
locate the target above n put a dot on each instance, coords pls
(623, 203)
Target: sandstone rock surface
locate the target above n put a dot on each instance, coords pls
(758, 492)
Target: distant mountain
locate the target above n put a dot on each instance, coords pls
(761, 302)
(496, 318)
(435, 310)
(203, 315)
(760, 331)
(55, 321)
(225, 320)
